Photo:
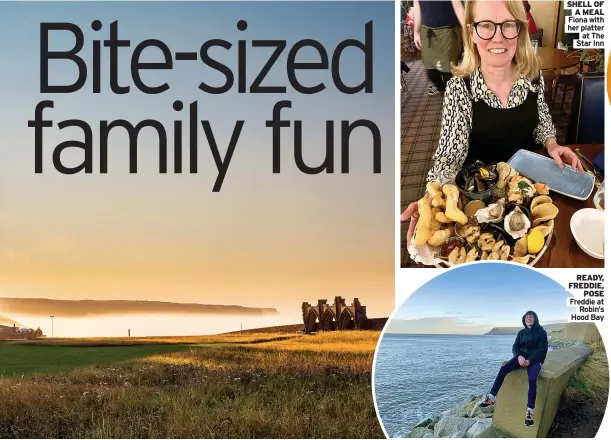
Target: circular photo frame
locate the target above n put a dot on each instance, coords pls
(486, 350)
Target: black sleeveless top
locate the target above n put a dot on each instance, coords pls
(438, 14)
(497, 134)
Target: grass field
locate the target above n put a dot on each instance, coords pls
(584, 401)
(20, 359)
(246, 385)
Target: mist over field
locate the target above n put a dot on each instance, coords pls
(147, 324)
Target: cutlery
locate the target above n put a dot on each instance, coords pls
(591, 165)
(589, 168)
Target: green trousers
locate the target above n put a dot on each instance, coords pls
(440, 47)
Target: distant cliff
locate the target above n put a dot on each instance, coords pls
(513, 330)
(67, 308)
(8, 322)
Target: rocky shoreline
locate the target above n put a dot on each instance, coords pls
(467, 420)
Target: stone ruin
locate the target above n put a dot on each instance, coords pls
(336, 316)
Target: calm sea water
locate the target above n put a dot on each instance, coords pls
(417, 376)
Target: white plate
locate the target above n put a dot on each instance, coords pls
(588, 229)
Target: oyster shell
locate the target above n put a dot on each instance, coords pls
(539, 200)
(517, 223)
(546, 228)
(493, 213)
(544, 212)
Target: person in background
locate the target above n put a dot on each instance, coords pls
(529, 351)
(408, 43)
(532, 26)
(409, 20)
(437, 34)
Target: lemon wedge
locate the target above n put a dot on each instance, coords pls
(535, 241)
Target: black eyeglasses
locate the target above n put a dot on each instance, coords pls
(486, 29)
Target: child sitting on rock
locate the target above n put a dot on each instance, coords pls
(529, 351)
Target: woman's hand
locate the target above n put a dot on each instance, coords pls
(562, 154)
(411, 214)
(521, 361)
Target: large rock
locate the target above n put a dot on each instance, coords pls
(423, 423)
(463, 409)
(485, 412)
(451, 426)
(484, 416)
(419, 432)
(434, 422)
(478, 428)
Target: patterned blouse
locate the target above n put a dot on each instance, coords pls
(457, 114)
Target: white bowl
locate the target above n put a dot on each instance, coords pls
(588, 228)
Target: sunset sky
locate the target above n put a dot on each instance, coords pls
(266, 240)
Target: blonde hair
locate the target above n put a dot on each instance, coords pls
(524, 59)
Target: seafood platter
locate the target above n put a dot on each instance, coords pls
(491, 212)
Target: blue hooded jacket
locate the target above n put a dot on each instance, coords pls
(531, 343)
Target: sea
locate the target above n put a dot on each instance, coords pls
(419, 376)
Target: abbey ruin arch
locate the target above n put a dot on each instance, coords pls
(346, 320)
(335, 316)
(311, 321)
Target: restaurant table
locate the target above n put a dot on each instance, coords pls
(551, 59)
(563, 250)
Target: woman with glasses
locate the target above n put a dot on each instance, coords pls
(494, 105)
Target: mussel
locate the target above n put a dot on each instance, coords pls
(499, 233)
(477, 177)
(480, 166)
